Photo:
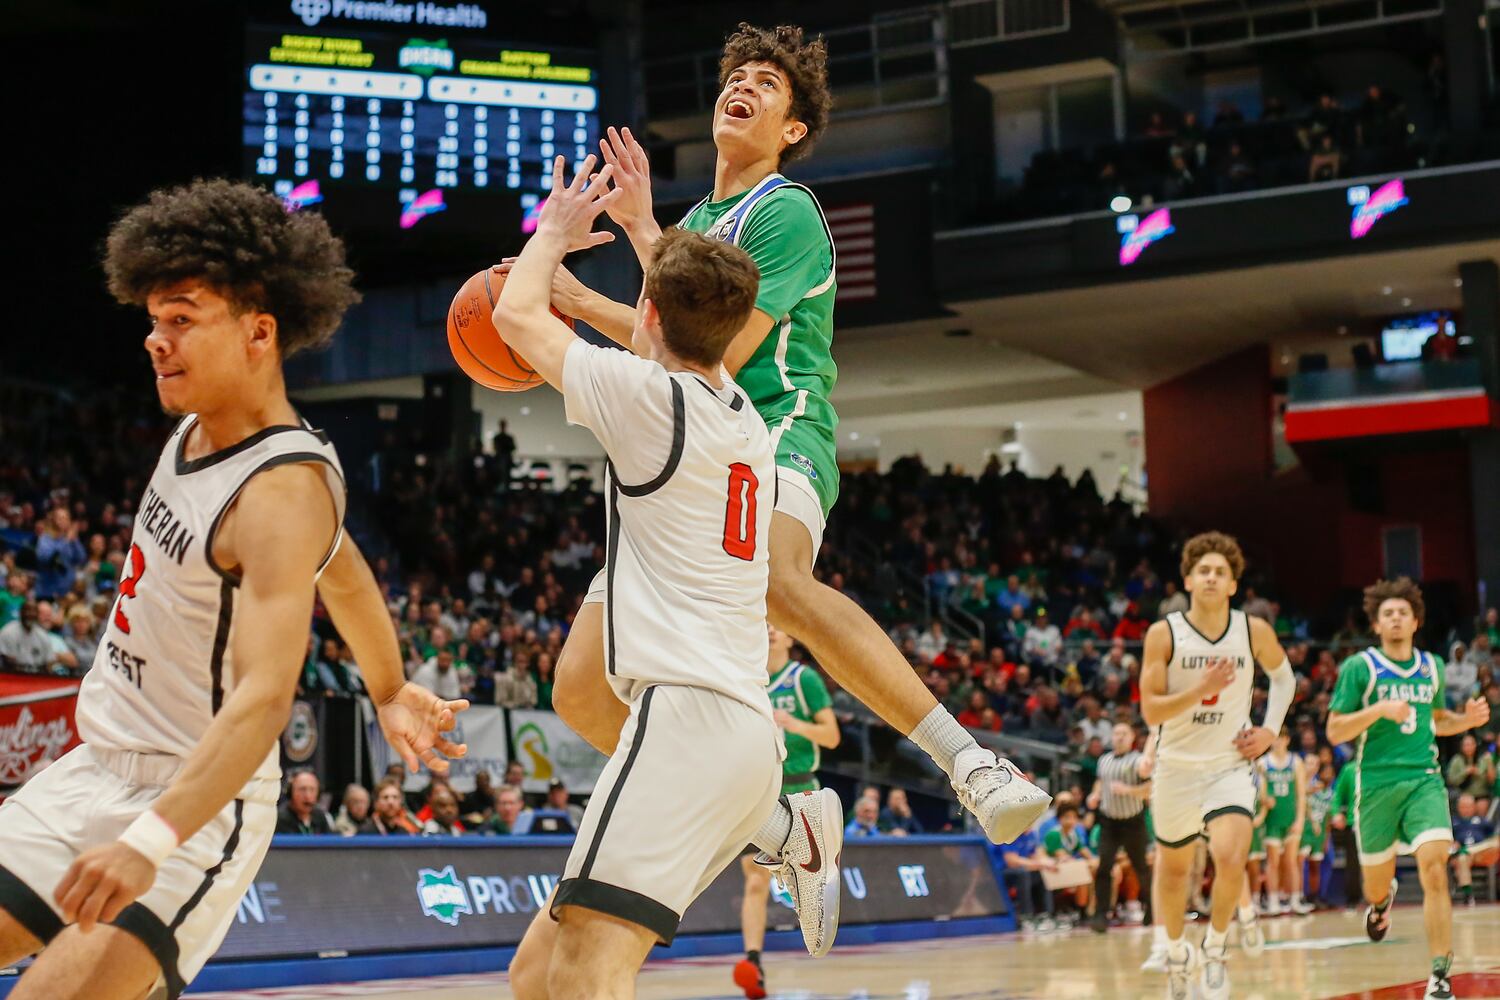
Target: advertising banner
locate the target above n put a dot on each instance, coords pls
(36, 724)
(357, 896)
(482, 727)
(549, 749)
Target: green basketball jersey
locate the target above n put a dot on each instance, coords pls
(791, 375)
(1281, 785)
(1392, 749)
(800, 693)
(1319, 803)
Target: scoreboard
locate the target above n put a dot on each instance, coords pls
(404, 115)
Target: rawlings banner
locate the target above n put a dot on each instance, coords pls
(36, 725)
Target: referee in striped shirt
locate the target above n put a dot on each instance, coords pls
(1119, 796)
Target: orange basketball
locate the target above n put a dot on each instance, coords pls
(477, 346)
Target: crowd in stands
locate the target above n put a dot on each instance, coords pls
(1021, 601)
(1179, 155)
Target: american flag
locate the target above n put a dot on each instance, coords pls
(853, 228)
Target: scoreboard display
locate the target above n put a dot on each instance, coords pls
(388, 114)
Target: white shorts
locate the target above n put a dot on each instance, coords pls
(1184, 799)
(795, 497)
(88, 798)
(694, 776)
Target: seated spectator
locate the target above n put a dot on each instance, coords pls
(389, 815)
(1461, 677)
(1191, 144)
(1094, 723)
(1380, 119)
(1068, 841)
(897, 818)
(542, 674)
(1180, 181)
(1157, 127)
(444, 821)
(1024, 861)
(1173, 599)
(355, 811)
(508, 809)
(931, 642)
(1132, 625)
(558, 801)
(476, 806)
(300, 813)
(1042, 647)
(440, 675)
(28, 644)
(1117, 663)
(515, 774)
(1228, 115)
(516, 688)
(1471, 771)
(1471, 832)
(81, 637)
(866, 821)
(970, 716)
(59, 555)
(1083, 624)
(1327, 160)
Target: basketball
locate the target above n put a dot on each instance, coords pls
(477, 346)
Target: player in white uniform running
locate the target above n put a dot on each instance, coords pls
(689, 484)
(1196, 680)
(124, 861)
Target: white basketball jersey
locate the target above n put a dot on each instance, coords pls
(166, 661)
(691, 486)
(1204, 734)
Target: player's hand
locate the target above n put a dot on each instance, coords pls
(1253, 742)
(101, 882)
(569, 295)
(781, 717)
(1476, 713)
(414, 721)
(1093, 800)
(1337, 821)
(631, 177)
(1395, 711)
(570, 210)
(1217, 676)
(1293, 834)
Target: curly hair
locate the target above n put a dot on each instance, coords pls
(805, 65)
(1208, 543)
(240, 241)
(1400, 589)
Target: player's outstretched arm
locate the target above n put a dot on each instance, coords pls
(615, 320)
(1345, 726)
(412, 717)
(524, 311)
(632, 178)
(278, 558)
(1157, 706)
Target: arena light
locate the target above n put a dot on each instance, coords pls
(1120, 204)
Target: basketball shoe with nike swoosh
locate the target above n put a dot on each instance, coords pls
(997, 793)
(809, 865)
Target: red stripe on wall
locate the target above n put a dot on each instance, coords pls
(1388, 418)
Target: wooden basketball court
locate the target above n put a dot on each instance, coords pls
(1322, 957)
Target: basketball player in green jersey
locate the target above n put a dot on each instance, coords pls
(773, 103)
(1315, 831)
(804, 712)
(1389, 699)
(1286, 784)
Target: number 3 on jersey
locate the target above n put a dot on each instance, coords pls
(739, 513)
(127, 586)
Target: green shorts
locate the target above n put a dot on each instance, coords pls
(1393, 810)
(809, 452)
(1314, 842)
(1277, 828)
(808, 786)
(1257, 844)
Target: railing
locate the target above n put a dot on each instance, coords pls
(894, 60)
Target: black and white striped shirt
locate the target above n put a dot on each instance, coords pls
(1124, 769)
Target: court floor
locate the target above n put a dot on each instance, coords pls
(1322, 957)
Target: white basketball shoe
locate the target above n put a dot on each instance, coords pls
(1213, 973)
(1252, 935)
(809, 865)
(998, 795)
(1182, 962)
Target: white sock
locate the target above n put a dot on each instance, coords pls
(1215, 939)
(1247, 913)
(942, 738)
(774, 832)
(1177, 946)
(1159, 936)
